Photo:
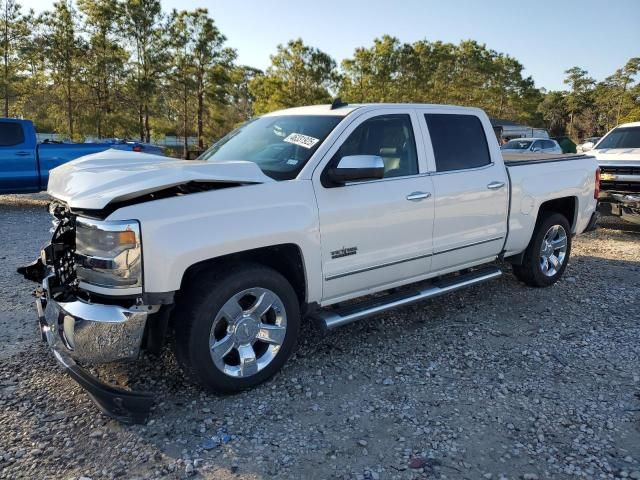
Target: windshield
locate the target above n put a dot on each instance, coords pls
(516, 145)
(627, 137)
(279, 145)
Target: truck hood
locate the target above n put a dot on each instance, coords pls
(616, 154)
(94, 181)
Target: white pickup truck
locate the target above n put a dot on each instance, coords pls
(299, 214)
(618, 154)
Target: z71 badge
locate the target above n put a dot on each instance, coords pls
(344, 252)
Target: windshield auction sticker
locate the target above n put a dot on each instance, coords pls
(301, 140)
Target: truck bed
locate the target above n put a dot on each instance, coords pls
(514, 159)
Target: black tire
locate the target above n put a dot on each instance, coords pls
(201, 301)
(531, 270)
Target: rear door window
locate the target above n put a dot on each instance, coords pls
(11, 134)
(459, 141)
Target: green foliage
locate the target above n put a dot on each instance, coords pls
(65, 51)
(298, 75)
(14, 38)
(436, 72)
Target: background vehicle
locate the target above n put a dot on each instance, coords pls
(25, 163)
(588, 144)
(327, 205)
(618, 154)
(531, 145)
(509, 130)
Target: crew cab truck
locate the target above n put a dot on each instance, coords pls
(299, 214)
(618, 154)
(25, 163)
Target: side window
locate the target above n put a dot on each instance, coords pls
(459, 141)
(537, 145)
(388, 136)
(549, 144)
(11, 134)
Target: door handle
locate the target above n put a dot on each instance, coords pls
(22, 154)
(495, 185)
(417, 196)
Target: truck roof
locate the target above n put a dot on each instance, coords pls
(630, 124)
(346, 109)
(528, 139)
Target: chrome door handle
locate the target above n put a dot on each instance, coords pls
(417, 196)
(495, 185)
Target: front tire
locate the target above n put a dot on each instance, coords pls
(236, 329)
(547, 254)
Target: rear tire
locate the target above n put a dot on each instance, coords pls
(236, 328)
(547, 254)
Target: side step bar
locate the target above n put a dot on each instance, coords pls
(333, 318)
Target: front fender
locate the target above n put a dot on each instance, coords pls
(181, 231)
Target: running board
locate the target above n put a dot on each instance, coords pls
(333, 318)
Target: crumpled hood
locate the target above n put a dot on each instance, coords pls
(94, 181)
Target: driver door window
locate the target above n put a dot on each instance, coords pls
(388, 136)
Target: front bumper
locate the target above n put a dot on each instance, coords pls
(95, 333)
(623, 205)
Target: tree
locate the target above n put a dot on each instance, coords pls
(105, 59)
(64, 54)
(211, 62)
(579, 97)
(554, 112)
(14, 28)
(142, 25)
(183, 69)
(623, 79)
(298, 75)
(436, 72)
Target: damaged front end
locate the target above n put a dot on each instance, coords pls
(621, 204)
(78, 329)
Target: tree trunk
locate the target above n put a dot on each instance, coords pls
(200, 118)
(185, 153)
(141, 121)
(147, 129)
(69, 109)
(6, 63)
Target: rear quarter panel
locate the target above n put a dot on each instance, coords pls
(532, 184)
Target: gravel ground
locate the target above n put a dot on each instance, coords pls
(498, 381)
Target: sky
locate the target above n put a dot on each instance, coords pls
(546, 36)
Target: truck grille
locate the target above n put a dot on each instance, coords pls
(620, 185)
(60, 254)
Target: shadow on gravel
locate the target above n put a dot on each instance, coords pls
(495, 379)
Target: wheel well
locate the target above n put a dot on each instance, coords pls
(286, 259)
(566, 206)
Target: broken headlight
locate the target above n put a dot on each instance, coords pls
(108, 254)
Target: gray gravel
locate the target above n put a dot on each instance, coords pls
(499, 381)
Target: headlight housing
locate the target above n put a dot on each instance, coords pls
(108, 254)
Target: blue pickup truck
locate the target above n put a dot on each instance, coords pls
(25, 163)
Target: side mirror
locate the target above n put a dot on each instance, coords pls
(353, 168)
(536, 150)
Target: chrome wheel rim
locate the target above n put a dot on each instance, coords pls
(553, 250)
(248, 332)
